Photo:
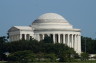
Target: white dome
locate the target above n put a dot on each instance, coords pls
(51, 21)
(50, 16)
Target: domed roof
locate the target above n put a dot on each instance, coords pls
(51, 21)
(50, 16)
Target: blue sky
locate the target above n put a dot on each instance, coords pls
(80, 13)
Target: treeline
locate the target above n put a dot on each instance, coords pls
(39, 51)
(44, 50)
(88, 45)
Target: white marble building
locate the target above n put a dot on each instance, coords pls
(49, 24)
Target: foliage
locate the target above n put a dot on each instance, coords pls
(52, 57)
(22, 56)
(90, 45)
(84, 56)
(46, 48)
(67, 56)
(41, 50)
(2, 48)
(21, 45)
(29, 56)
(47, 39)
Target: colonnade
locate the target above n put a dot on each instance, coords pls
(19, 37)
(71, 40)
(25, 36)
(14, 37)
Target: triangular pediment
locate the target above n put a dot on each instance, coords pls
(13, 29)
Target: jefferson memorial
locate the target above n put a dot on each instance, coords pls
(49, 24)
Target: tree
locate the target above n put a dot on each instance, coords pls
(2, 48)
(48, 39)
(67, 56)
(40, 56)
(22, 56)
(22, 45)
(51, 56)
(84, 56)
(90, 45)
(50, 49)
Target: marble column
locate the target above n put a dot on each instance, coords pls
(63, 38)
(79, 44)
(42, 36)
(38, 37)
(75, 42)
(54, 38)
(68, 40)
(72, 41)
(25, 36)
(58, 38)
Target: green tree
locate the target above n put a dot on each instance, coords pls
(51, 56)
(39, 56)
(2, 48)
(84, 56)
(90, 45)
(67, 56)
(48, 39)
(60, 50)
(22, 56)
(22, 45)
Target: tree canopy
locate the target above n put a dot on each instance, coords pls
(88, 45)
(44, 48)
